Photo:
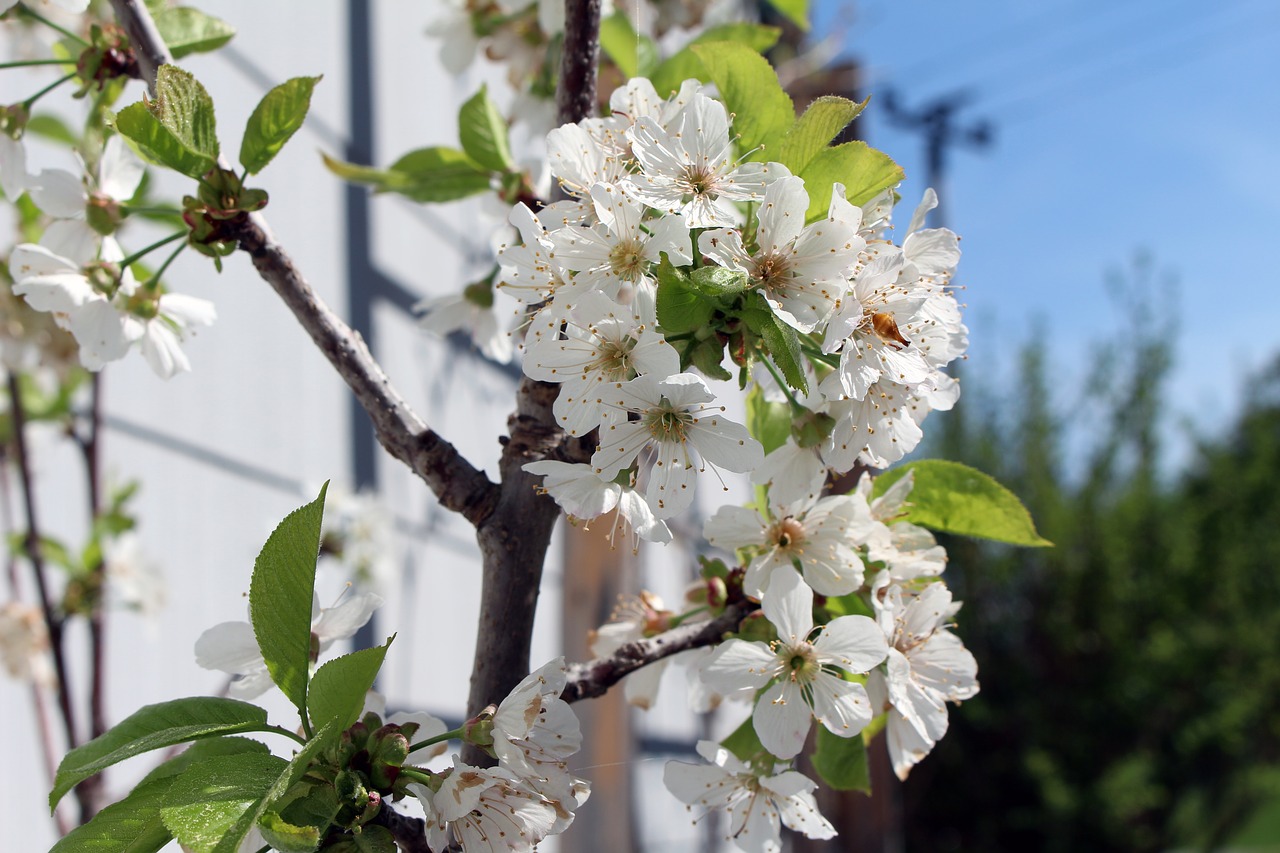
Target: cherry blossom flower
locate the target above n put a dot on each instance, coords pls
(584, 496)
(676, 415)
(802, 676)
(756, 801)
(819, 536)
(471, 312)
(486, 811)
(927, 667)
(232, 647)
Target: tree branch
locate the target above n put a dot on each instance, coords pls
(514, 539)
(410, 833)
(595, 677)
(458, 484)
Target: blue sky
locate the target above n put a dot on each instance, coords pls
(1119, 127)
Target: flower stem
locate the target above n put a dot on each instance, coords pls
(678, 620)
(132, 259)
(456, 734)
(29, 12)
(426, 777)
(281, 730)
(153, 283)
(30, 102)
(30, 63)
(777, 377)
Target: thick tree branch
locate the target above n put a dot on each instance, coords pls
(514, 539)
(456, 482)
(595, 677)
(410, 833)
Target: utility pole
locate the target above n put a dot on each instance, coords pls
(938, 123)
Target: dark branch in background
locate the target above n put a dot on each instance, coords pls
(459, 485)
(90, 450)
(595, 677)
(514, 539)
(410, 833)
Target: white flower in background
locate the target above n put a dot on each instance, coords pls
(90, 202)
(24, 644)
(623, 249)
(471, 312)
(676, 417)
(802, 270)
(43, 6)
(927, 667)
(486, 811)
(14, 177)
(584, 496)
(357, 531)
(134, 580)
(458, 42)
(162, 335)
(605, 344)
(805, 675)
(535, 732)
(690, 169)
(820, 537)
(232, 647)
(755, 801)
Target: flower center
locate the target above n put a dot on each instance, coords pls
(614, 359)
(666, 423)
(771, 271)
(627, 260)
(788, 534)
(801, 662)
(699, 180)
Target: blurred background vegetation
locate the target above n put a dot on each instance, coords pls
(1130, 677)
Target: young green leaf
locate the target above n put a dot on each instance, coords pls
(763, 112)
(680, 308)
(863, 170)
(483, 133)
(822, 122)
(955, 498)
(154, 727)
(842, 761)
(230, 842)
(132, 825)
(435, 174)
(715, 280)
(202, 750)
(154, 141)
(274, 121)
(208, 799)
(780, 340)
(338, 688)
(286, 837)
(280, 597)
(768, 423)
(685, 64)
(186, 110)
(635, 55)
(188, 30)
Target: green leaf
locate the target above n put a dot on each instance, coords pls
(863, 170)
(230, 842)
(338, 688)
(749, 87)
(955, 498)
(280, 596)
(797, 11)
(185, 109)
(842, 761)
(769, 423)
(274, 121)
(718, 281)
(132, 825)
(483, 133)
(286, 837)
(157, 144)
(187, 30)
(635, 55)
(434, 174)
(821, 123)
(685, 64)
(708, 356)
(680, 308)
(744, 742)
(154, 727)
(203, 750)
(53, 128)
(206, 801)
(780, 340)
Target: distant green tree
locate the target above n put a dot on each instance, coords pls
(1130, 675)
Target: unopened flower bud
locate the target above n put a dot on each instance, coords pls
(479, 729)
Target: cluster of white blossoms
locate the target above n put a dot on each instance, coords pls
(661, 211)
(75, 272)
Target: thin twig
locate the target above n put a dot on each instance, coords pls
(594, 678)
(458, 484)
(90, 449)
